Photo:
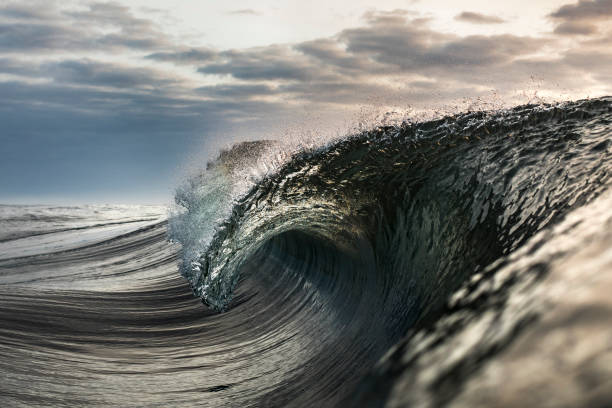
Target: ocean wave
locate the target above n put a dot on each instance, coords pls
(463, 261)
(430, 203)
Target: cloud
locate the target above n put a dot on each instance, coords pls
(477, 18)
(390, 44)
(244, 12)
(412, 45)
(20, 37)
(266, 63)
(187, 56)
(585, 18)
(16, 11)
(90, 73)
(48, 108)
(576, 28)
(100, 26)
(133, 32)
(331, 52)
(584, 10)
(94, 73)
(597, 63)
(390, 47)
(236, 92)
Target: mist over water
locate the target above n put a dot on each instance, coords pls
(411, 264)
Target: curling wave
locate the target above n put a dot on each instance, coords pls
(379, 229)
(417, 207)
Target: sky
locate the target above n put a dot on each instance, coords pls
(112, 102)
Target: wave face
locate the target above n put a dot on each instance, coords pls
(415, 265)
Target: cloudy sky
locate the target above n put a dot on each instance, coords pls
(111, 101)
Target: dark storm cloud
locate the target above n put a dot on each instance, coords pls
(477, 18)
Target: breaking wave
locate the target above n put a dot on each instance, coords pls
(383, 269)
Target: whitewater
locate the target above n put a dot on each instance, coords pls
(462, 261)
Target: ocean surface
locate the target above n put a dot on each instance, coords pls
(464, 261)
